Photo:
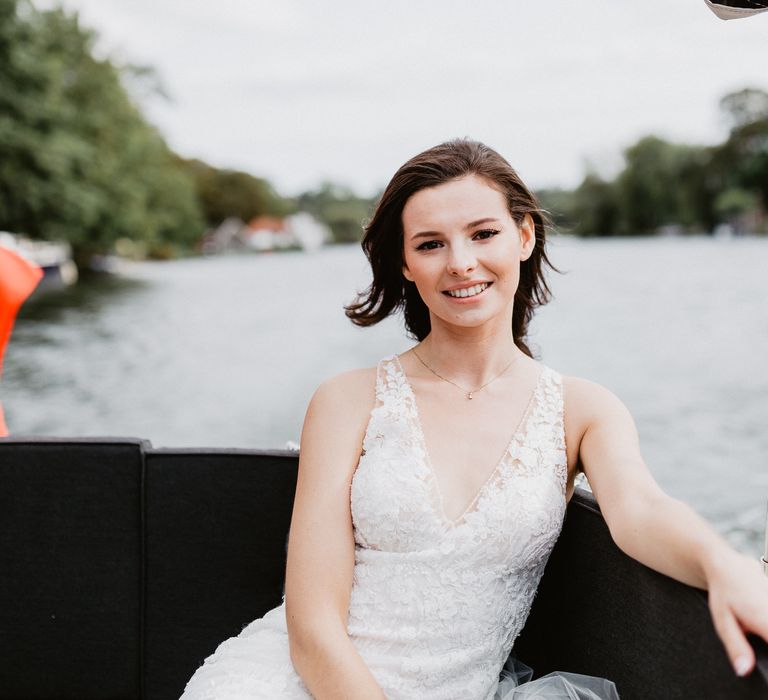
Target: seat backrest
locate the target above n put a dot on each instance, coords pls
(216, 530)
(600, 612)
(70, 569)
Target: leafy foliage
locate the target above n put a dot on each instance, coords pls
(596, 207)
(692, 188)
(225, 193)
(344, 212)
(744, 107)
(78, 162)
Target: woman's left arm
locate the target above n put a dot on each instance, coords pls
(660, 531)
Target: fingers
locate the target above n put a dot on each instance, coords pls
(736, 645)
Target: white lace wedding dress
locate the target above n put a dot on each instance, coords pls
(435, 604)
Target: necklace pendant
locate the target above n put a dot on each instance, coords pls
(469, 394)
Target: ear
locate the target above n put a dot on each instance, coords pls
(527, 237)
(407, 273)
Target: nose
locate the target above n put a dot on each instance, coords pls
(461, 260)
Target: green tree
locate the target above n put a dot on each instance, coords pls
(662, 183)
(559, 205)
(644, 188)
(595, 207)
(733, 204)
(344, 212)
(78, 162)
(744, 107)
(741, 163)
(696, 189)
(225, 193)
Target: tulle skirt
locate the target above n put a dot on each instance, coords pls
(256, 665)
(515, 684)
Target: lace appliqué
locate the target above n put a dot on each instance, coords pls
(449, 597)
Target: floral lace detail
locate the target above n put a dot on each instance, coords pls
(435, 604)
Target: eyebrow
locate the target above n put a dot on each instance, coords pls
(471, 224)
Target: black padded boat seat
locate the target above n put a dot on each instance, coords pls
(70, 569)
(217, 525)
(123, 567)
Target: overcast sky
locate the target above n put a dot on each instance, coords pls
(300, 91)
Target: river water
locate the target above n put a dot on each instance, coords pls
(226, 351)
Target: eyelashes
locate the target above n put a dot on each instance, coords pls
(487, 233)
(482, 235)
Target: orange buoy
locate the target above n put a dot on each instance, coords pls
(18, 279)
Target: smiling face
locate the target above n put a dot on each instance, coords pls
(462, 249)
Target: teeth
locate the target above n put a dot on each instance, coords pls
(469, 291)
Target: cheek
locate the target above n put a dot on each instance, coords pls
(419, 267)
(507, 263)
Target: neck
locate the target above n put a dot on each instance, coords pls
(469, 356)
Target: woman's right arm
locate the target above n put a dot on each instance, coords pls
(321, 547)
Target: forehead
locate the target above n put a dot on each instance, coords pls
(453, 204)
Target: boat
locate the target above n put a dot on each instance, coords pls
(54, 258)
(124, 566)
(737, 9)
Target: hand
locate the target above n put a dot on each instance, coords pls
(738, 601)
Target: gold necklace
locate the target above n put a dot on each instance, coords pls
(445, 379)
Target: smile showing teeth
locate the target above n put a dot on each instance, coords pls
(468, 291)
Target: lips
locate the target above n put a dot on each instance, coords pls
(464, 292)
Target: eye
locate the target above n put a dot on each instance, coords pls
(487, 233)
(428, 245)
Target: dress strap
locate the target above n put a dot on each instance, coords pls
(385, 407)
(384, 370)
(551, 413)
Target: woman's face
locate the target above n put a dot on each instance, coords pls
(462, 250)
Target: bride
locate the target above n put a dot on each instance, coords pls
(432, 487)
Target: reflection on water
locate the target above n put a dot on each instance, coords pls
(227, 351)
(90, 296)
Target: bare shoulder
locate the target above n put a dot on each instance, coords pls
(349, 390)
(337, 418)
(586, 398)
(589, 404)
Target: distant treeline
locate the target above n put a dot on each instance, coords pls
(677, 187)
(80, 163)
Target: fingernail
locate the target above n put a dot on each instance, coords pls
(741, 665)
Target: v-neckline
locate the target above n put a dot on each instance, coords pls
(519, 428)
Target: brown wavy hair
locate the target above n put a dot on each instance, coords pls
(390, 292)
